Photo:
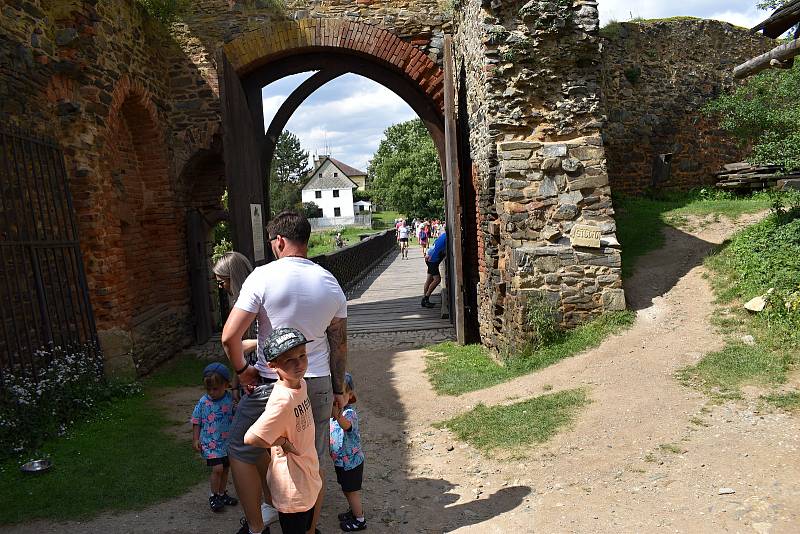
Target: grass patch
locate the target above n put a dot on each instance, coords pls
(323, 241)
(671, 447)
(532, 421)
(120, 460)
(786, 401)
(385, 219)
(724, 372)
(181, 371)
(454, 369)
(760, 257)
(640, 220)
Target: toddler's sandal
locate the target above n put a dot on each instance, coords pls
(352, 525)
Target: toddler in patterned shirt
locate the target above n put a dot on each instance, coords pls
(348, 458)
(211, 422)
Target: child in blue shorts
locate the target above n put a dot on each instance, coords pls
(348, 458)
(211, 422)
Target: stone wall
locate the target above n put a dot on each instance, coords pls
(656, 76)
(135, 108)
(534, 122)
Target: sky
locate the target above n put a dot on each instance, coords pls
(347, 116)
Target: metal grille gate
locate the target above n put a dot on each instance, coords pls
(44, 298)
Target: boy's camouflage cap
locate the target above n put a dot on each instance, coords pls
(281, 340)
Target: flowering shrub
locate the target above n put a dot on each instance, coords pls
(68, 384)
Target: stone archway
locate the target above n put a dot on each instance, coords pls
(136, 277)
(330, 47)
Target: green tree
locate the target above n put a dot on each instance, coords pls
(404, 174)
(287, 173)
(765, 111)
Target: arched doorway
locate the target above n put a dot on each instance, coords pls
(330, 47)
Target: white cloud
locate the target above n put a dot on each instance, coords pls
(346, 117)
(739, 12)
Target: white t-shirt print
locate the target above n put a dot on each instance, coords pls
(294, 293)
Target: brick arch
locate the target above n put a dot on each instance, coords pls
(139, 269)
(273, 42)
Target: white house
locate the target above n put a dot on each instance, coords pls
(331, 188)
(362, 206)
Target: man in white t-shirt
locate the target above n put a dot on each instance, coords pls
(291, 292)
(402, 237)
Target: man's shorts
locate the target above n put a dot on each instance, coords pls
(320, 393)
(403, 240)
(350, 480)
(433, 268)
(298, 522)
(249, 409)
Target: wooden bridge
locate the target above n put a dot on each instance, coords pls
(387, 301)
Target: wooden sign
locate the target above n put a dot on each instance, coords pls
(257, 223)
(584, 235)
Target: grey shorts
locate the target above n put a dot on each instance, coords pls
(249, 409)
(320, 393)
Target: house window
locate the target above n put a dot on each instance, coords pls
(337, 212)
(335, 193)
(335, 174)
(317, 194)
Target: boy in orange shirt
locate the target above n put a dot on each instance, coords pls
(287, 426)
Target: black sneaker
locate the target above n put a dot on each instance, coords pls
(352, 525)
(245, 528)
(227, 500)
(344, 516)
(216, 504)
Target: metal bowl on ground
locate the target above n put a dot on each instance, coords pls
(36, 466)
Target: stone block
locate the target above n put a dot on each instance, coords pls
(548, 187)
(571, 165)
(553, 150)
(565, 212)
(117, 347)
(587, 153)
(614, 300)
(547, 264)
(588, 182)
(551, 164)
(507, 146)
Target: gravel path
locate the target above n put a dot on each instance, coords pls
(647, 455)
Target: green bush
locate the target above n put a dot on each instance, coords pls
(44, 400)
(166, 11)
(541, 318)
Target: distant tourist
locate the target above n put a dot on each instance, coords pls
(348, 458)
(433, 259)
(211, 422)
(339, 240)
(402, 237)
(423, 235)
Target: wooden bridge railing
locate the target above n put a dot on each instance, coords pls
(350, 264)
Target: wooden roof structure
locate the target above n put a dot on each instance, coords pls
(781, 56)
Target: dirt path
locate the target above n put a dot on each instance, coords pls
(608, 473)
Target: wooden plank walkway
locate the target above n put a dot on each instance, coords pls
(388, 299)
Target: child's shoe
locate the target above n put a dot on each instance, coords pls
(215, 502)
(227, 500)
(346, 516)
(352, 525)
(268, 514)
(245, 529)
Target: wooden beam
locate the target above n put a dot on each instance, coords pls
(780, 53)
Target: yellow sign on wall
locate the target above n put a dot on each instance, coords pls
(584, 235)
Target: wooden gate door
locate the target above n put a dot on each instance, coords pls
(196, 231)
(453, 196)
(242, 139)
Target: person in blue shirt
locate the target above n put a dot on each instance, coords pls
(348, 458)
(433, 258)
(211, 422)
